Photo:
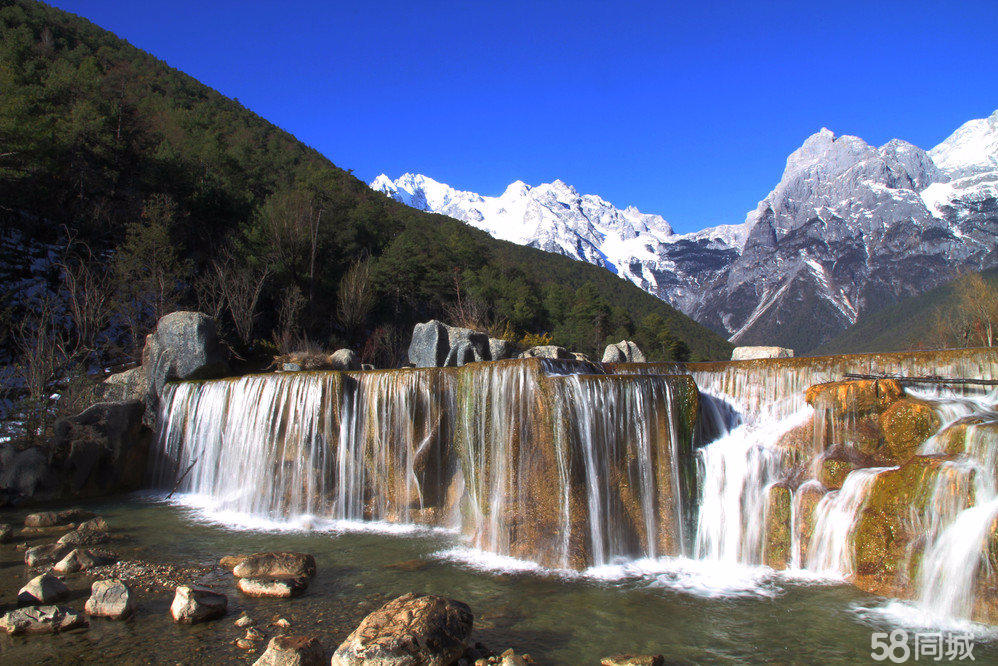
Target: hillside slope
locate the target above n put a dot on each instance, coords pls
(906, 325)
(107, 145)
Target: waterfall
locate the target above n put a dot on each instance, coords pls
(531, 459)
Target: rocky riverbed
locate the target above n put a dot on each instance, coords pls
(554, 619)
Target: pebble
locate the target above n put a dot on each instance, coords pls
(282, 623)
(244, 644)
(244, 621)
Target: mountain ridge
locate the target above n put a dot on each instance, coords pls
(848, 227)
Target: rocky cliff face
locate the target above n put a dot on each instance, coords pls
(849, 228)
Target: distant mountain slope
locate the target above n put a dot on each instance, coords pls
(849, 228)
(106, 144)
(905, 325)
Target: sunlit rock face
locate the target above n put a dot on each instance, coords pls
(552, 461)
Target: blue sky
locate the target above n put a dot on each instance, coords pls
(684, 109)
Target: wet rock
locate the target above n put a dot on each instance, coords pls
(6, 532)
(51, 518)
(275, 565)
(111, 599)
(43, 589)
(281, 623)
(810, 494)
(244, 644)
(80, 537)
(776, 547)
(244, 621)
(835, 464)
(98, 524)
(79, 559)
(412, 629)
(633, 660)
(907, 424)
(272, 587)
(855, 396)
(624, 351)
(500, 349)
(408, 565)
(254, 635)
(230, 561)
(292, 651)
(55, 530)
(41, 620)
(510, 658)
(49, 553)
(197, 604)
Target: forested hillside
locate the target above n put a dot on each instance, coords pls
(960, 313)
(140, 190)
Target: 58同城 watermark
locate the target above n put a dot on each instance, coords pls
(900, 647)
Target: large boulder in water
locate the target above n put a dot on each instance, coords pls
(25, 473)
(776, 546)
(110, 598)
(434, 344)
(197, 604)
(41, 620)
(275, 565)
(624, 351)
(907, 424)
(42, 589)
(292, 651)
(184, 345)
(856, 396)
(410, 630)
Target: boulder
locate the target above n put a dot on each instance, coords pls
(78, 560)
(43, 589)
(344, 359)
(110, 598)
(102, 450)
(856, 396)
(49, 553)
(97, 524)
(132, 384)
(283, 588)
(835, 464)
(547, 351)
(753, 353)
(907, 424)
(197, 604)
(275, 565)
(776, 546)
(292, 651)
(230, 561)
(500, 349)
(80, 537)
(25, 474)
(429, 345)
(51, 518)
(6, 532)
(41, 620)
(624, 351)
(436, 345)
(184, 345)
(412, 629)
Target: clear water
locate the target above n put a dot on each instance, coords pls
(687, 610)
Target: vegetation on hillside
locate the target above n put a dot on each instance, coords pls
(960, 313)
(140, 190)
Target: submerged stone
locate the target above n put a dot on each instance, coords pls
(43, 589)
(197, 604)
(41, 620)
(110, 598)
(293, 651)
(275, 565)
(776, 547)
(272, 587)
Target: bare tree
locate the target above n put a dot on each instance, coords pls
(210, 293)
(466, 311)
(42, 359)
(241, 285)
(89, 293)
(355, 298)
(977, 300)
(287, 336)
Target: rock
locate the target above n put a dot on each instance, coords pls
(547, 351)
(244, 644)
(753, 353)
(344, 359)
(810, 494)
(45, 554)
(835, 464)
(230, 561)
(292, 651)
(624, 351)
(856, 396)
(412, 629)
(51, 518)
(97, 524)
(25, 473)
(633, 660)
(41, 620)
(436, 345)
(272, 587)
(275, 565)
(429, 345)
(184, 345)
(78, 559)
(132, 384)
(281, 623)
(500, 349)
(101, 450)
(907, 424)
(367, 367)
(776, 546)
(6, 532)
(80, 537)
(254, 635)
(510, 658)
(197, 604)
(244, 621)
(110, 598)
(43, 589)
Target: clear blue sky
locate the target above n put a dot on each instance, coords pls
(686, 109)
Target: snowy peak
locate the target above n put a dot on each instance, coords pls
(972, 148)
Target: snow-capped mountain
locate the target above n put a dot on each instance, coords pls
(848, 228)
